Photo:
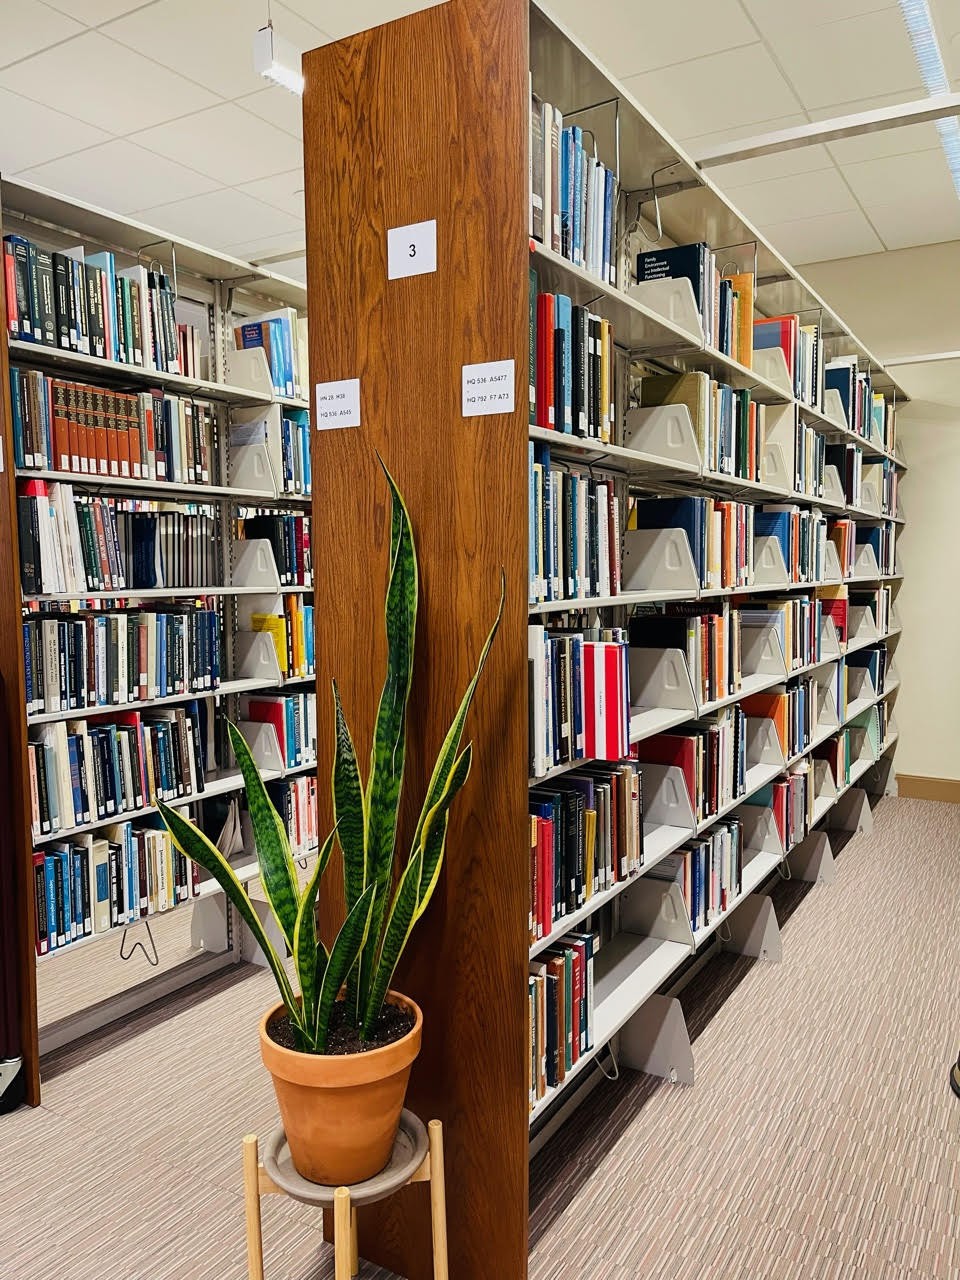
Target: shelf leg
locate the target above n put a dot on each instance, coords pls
(852, 812)
(753, 930)
(812, 859)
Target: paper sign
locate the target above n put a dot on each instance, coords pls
(412, 251)
(488, 388)
(338, 404)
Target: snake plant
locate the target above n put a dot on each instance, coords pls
(376, 927)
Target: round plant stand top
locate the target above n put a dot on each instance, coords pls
(409, 1152)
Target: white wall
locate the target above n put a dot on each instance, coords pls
(928, 655)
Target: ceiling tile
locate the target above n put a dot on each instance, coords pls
(282, 191)
(770, 13)
(231, 145)
(744, 173)
(220, 218)
(801, 195)
(681, 30)
(266, 249)
(911, 180)
(830, 235)
(29, 26)
(92, 12)
(347, 19)
(118, 90)
(119, 176)
(725, 91)
(946, 20)
(838, 62)
(41, 134)
(295, 268)
(277, 106)
(928, 220)
(219, 51)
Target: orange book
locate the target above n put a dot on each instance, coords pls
(133, 435)
(742, 282)
(61, 460)
(769, 706)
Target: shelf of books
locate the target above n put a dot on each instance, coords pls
(157, 490)
(691, 483)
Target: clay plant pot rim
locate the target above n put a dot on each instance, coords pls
(367, 1065)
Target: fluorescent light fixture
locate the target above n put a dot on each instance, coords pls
(926, 50)
(277, 60)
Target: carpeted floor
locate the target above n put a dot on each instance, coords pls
(818, 1143)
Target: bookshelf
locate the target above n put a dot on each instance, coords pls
(427, 119)
(214, 292)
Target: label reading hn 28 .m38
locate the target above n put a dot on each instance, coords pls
(338, 404)
(488, 388)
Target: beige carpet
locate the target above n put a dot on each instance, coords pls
(820, 1140)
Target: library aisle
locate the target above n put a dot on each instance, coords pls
(819, 1142)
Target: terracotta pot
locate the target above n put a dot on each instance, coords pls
(340, 1112)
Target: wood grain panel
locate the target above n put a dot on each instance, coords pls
(917, 787)
(18, 972)
(426, 118)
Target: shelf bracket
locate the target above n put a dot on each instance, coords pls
(812, 860)
(656, 1041)
(753, 930)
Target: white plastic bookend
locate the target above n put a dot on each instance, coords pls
(655, 908)
(254, 565)
(753, 930)
(760, 831)
(250, 469)
(664, 432)
(769, 569)
(824, 783)
(256, 657)
(669, 802)
(832, 573)
(763, 742)
(852, 812)
(897, 562)
(249, 369)
(812, 859)
(773, 468)
(833, 487)
(263, 744)
(761, 651)
(861, 624)
(895, 623)
(829, 640)
(658, 560)
(672, 298)
(771, 363)
(656, 1041)
(659, 678)
(208, 923)
(869, 499)
(861, 747)
(833, 407)
(859, 684)
(827, 715)
(865, 565)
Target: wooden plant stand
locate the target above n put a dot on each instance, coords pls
(417, 1157)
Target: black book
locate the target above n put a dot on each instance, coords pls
(98, 333)
(45, 301)
(115, 857)
(28, 532)
(578, 324)
(553, 1041)
(171, 341)
(596, 342)
(43, 796)
(86, 907)
(40, 904)
(63, 301)
(682, 260)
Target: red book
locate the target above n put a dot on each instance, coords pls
(589, 701)
(673, 749)
(615, 741)
(271, 711)
(545, 358)
(10, 285)
(545, 842)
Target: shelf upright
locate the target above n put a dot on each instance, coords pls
(19, 981)
(424, 121)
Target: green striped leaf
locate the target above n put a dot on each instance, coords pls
(277, 873)
(387, 754)
(451, 743)
(305, 944)
(343, 956)
(435, 830)
(395, 935)
(349, 806)
(194, 844)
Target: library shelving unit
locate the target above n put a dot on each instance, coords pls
(213, 292)
(416, 139)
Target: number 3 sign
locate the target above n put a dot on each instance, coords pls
(412, 250)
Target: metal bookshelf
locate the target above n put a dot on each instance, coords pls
(216, 290)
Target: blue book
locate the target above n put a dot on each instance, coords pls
(566, 193)
(609, 250)
(132, 869)
(16, 407)
(574, 568)
(543, 457)
(162, 655)
(578, 185)
(684, 260)
(81, 926)
(54, 936)
(74, 754)
(563, 319)
(65, 889)
(774, 524)
(842, 378)
(113, 763)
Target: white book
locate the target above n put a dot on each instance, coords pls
(603, 542)
(142, 355)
